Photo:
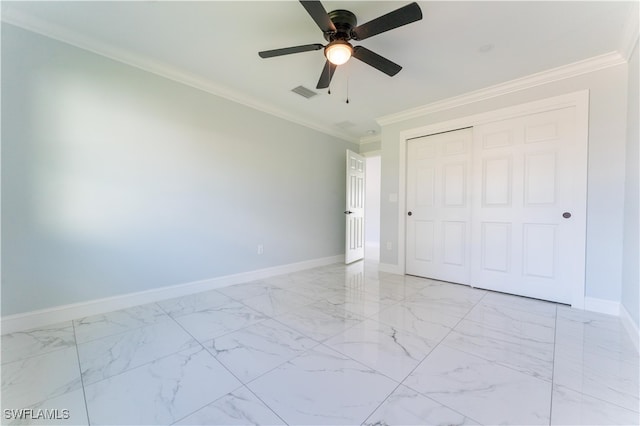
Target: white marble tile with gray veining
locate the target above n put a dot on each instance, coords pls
(207, 300)
(317, 291)
(368, 305)
(482, 390)
(160, 392)
(317, 324)
(539, 326)
(277, 302)
(66, 409)
(574, 408)
(254, 350)
(205, 325)
(251, 289)
(449, 299)
(594, 355)
(32, 380)
(386, 291)
(336, 308)
(23, 344)
(593, 333)
(384, 348)
(103, 325)
(520, 351)
(323, 387)
(241, 407)
(407, 407)
(344, 302)
(290, 281)
(106, 357)
(418, 320)
(611, 380)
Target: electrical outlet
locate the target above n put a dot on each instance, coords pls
(260, 249)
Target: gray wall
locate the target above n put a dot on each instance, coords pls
(606, 176)
(115, 180)
(631, 256)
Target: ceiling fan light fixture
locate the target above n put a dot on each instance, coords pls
(338, 52)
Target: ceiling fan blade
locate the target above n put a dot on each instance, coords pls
(319, 15)
(326, 76)
(378, 62)
(399, 17)
(289, 50)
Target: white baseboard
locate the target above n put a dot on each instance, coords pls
(57, 314)
(631, 326)
(602, 306)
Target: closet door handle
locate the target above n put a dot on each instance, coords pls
(409, 213)
(566, 215)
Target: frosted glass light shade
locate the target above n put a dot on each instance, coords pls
(338, 52)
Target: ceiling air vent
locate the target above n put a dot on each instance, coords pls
(304, 92)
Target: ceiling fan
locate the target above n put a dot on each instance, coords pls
(340, 26)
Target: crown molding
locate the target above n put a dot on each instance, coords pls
(630, 31)
(555, 74)
(59, 33)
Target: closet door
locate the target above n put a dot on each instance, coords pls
(438, 237)
(529, 208)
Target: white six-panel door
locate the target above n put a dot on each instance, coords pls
(529, 211)
(438, 206)
(501, 207)
(354, 212)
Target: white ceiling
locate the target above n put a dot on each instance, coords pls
(215, 44)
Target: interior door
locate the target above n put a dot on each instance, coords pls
(438, 243)
(354, 212)
(529, 209)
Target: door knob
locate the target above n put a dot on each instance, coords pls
(348, 212)
(566, 215)
(410, 213)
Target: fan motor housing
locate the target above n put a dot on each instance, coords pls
(344, 21)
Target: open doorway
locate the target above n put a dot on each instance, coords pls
(372, 208)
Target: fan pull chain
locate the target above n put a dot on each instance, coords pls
(347, 89)
(348, 75)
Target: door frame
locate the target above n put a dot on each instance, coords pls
(579, 100)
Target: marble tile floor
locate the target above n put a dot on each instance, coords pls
(335, 345)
